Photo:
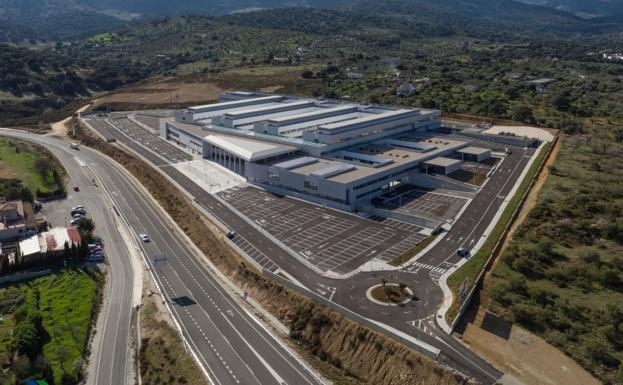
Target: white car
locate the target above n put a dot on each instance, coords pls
(144, 237)
(77, 208)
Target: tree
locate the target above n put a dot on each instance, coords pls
(86, 225)
(307, 74)
(522, 113)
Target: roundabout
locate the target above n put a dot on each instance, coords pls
(389, 294)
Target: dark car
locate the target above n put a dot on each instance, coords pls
(76, 188)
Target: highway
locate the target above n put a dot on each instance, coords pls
(418, 318)
(231, 345)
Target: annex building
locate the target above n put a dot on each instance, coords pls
(330, 152)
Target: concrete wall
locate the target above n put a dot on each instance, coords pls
(188, 142)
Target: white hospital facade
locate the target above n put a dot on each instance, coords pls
(329, 152)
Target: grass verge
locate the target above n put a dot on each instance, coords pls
(163, 359)
(471, 270)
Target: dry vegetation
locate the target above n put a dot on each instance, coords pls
(355, 353)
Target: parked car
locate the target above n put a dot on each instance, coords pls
(96, 257)
(76, 188)
(144, 237)
(74, 146)
(77, 208)
(78, 211)
(231, 235)
(463, 252)
(77, 216)
(74, 221)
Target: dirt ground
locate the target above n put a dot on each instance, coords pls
(163, 91)
(527, 357)
(59, 128)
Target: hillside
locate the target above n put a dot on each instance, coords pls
(583, 8)
(70, 19)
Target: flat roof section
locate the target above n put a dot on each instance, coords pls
(333, 170)
(297, 162)
(372, 119)
(285, 120)
(417, 146)
(235, 103)
(440, 161)
(265, 110)
(247, 149)
(471, 150)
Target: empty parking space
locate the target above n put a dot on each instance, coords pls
(401, 247)
(326, 239)
(255, 254)
(147, 139)
(397, 224)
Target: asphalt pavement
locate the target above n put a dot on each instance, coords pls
(232, 346)
(417, 318)
(111, 362)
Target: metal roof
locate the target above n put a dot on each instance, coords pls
(249, 150)
(373, 119)
(333, 170)
(294, 163)
(235, 103)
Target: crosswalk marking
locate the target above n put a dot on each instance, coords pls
(419, 265)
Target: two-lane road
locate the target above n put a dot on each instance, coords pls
(230, 344)
(111, 361)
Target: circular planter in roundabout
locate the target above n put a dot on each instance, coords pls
(389, 295)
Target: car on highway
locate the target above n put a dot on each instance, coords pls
(74, 146)
(463, 252)
(144, 237)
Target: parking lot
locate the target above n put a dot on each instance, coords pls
(419, 203)
(328, 240)
(140, 135)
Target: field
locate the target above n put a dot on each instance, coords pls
(30, 165)
(160, 92)
(46, 324)
(561, 276)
